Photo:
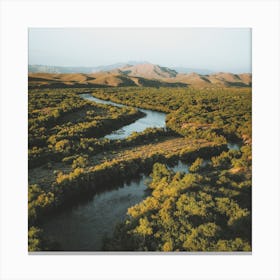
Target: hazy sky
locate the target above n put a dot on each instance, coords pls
(217, 49)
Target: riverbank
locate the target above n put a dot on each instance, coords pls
(95, 168)
(71, 186)
(85, 226)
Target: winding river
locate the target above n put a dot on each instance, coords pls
(84, 226)
(152, 119)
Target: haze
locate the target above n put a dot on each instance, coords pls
(217, 49)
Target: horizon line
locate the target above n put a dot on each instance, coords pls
(144, 62)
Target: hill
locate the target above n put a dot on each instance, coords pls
(145, 74)
(68, 69)
(148, 71)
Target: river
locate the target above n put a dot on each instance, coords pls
(83, 227)
(151, 119)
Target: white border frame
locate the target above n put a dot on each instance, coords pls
(18, 16)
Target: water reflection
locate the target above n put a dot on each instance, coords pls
(83, 227)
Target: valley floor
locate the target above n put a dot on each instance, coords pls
(69, 159)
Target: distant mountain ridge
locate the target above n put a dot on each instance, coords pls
(38, 68)
(142, 74)
(70, 70)
(148, 70)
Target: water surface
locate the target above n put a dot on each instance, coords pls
(83, 227)
(234, 146)
(152, 119)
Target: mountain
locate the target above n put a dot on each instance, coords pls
(58, 69)
(37, 68)
(67, 69)
(94, 69)
(143, 74)
(148, 71)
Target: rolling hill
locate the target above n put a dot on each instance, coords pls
(145, 74)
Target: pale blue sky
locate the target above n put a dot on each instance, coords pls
(217, 49)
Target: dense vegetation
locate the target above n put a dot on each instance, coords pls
(206, 210)
(200, 113)
(209, 209)
(59, 121)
